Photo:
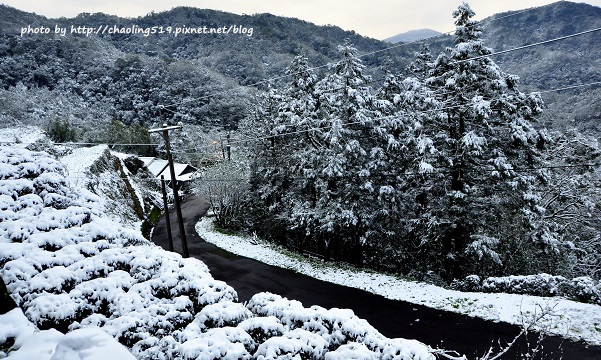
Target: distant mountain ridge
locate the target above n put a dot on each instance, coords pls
(104, 68)
(412, 35)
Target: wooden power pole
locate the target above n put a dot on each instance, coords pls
(167, 220)
(178, 210)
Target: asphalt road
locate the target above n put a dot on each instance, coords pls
(466, 335)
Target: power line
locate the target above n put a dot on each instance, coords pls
(570, 87)
(445, 33)
(453, 62)
(527, 46)
(415, 173)
(244, 140)
(438, 172)
(114, 144)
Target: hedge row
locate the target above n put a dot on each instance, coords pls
(582, 289)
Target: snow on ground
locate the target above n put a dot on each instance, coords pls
(106, 184)
(135, 185)
(79, 161)
(30, 343)
(21, 135)
(118, 202)
(570, 319)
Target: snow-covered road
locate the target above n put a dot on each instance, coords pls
(574, 320)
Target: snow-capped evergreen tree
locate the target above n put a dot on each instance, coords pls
(443, 171)
(266, 175)
(299, 119)
(486, 158)
(421, 65)
(348, 114)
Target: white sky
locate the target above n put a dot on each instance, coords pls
(375, 18)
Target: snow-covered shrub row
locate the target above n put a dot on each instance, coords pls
(583, 289)
(272, 327)
(346, 335)
(19, 339)
(68, 268)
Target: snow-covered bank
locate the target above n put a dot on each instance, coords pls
(571, 319)
(123, 197)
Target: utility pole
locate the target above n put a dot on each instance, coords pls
(222, 148)
(229, 147)
(178, 210)
(167, 220)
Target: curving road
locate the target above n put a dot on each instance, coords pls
(469, 336)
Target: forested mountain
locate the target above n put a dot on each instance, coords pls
(198, 77)
(128, 77)
(561, 64)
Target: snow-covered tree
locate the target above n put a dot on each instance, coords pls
(486, 157)
(421, 65)
(348, 114)
(445, 170)
(571, 198)
(269, 177)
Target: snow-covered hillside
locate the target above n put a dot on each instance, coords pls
(125, 197)
(67, 267)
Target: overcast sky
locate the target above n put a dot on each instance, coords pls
(375, 18)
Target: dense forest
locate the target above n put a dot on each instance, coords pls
(448, 171)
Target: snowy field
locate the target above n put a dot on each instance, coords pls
(568, 318)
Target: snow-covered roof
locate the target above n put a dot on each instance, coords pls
(157, 166)
(146, 160)
(186, 176)
(179, 169)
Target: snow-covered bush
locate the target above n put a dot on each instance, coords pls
(470, 283)
(539, 284)
(351, 351)
(583, 289)
(225, 313)
(295, 344)
(315, 332)
(262, 328)
(19, 339)
(70, 269)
